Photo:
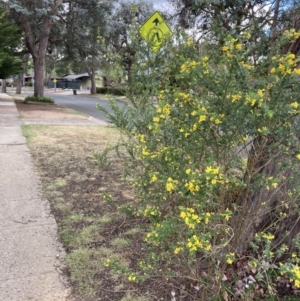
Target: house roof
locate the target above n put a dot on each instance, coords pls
(76, 76)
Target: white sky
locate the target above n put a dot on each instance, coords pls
(159, 4)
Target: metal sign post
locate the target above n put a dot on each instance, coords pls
(55, 80)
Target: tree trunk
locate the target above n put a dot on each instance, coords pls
(93, 82)
(260, 209)
(39, 64)
(3, 85)
(19, 84)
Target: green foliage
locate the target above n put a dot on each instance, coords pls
(216, 163)
(10, 63)
(121, 34)
(39, 99)
(112, 91)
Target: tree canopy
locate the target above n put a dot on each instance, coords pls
(10, 39)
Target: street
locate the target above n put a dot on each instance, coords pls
(80, 103)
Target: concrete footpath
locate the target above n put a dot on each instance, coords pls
(29, 251)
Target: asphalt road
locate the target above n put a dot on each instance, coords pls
(83, 104)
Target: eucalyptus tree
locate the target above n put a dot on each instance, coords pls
(10, 38)
(36, 18)
(123, 36)
(86, 23)
(217, 18)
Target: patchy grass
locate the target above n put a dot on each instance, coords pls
(85, 198)
(71, 111)
(105, 96)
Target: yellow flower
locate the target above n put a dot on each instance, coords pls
(142, 138)
(260, 92)
(297, 71)
(183, 214)
(177, 250)
(132, 278)
(246, 35)
(214, 181)
(167, 109)
(230, 258)
(153, 179)
(263, 129)
(245, 138)
(298, 156)
(170, 185)
(238, 46)
(252, 264)
(294, 105)
(145, 152)
(156, 119)
(268, 236)
(207, 216)
(235, 97)
(107, 262)
(229, 261)
(227, 214)
(273, 70)
(225, 48)
(188, 171)
(274, 184)
(202, 118)
(291, 56)
(296, 276)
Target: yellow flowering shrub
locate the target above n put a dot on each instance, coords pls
(196, 155)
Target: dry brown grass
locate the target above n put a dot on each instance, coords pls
(90, 225)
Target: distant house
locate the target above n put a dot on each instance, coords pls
(83, 80)
(29, 78)
(71, 81)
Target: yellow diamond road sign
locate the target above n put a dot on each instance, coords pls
(155, 31)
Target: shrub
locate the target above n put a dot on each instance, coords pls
(39, 99)
(28, 84)
(112, 91)
(101, 90)
(216, 166)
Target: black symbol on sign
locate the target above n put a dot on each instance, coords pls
(156, 21)
(155, 37)
(158, 38)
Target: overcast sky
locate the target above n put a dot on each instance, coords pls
(159, 4)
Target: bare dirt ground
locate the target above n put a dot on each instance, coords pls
(47, 111)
